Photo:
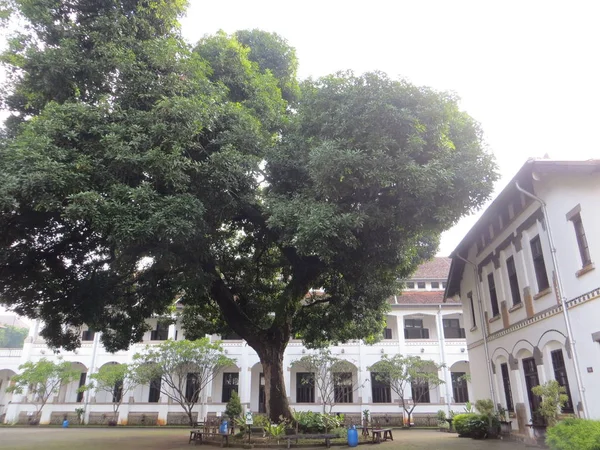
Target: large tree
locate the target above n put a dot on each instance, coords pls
(135, 170)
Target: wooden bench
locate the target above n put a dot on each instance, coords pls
(380, 434)
(295, 437)
(199, 436)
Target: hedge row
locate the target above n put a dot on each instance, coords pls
(574, 434)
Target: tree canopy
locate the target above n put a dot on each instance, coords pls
(41, 380)
(408, 374)
(181, 369)
(136, 170)
(334, 379)
(117, 380)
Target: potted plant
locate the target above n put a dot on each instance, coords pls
(505, 425)
(450, 419)
(442, 421)
(486, 409)
(365, 417)
(554, 397)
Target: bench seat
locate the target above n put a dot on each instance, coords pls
(295, 437)
(380, 434)
(199, 436)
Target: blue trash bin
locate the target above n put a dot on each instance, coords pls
(223, 427)
(352, 436)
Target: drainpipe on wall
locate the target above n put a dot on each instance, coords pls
(483, 328)
(563, 300)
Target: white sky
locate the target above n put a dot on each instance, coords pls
(528, 71)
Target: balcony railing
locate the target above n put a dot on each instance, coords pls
(454, 333)
(11, 352)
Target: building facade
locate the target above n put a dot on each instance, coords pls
(526, 278)
(418, 323)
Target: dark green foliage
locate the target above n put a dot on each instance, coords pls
(460, 423)
(272, 52)
(234, 407)
(12, 337)
(570, 434)
(477, 427)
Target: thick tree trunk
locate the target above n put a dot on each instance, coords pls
(271, 358)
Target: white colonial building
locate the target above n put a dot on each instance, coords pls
(526, 277)
(419, 323)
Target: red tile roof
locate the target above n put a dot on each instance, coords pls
(422, 298)
(436, 269)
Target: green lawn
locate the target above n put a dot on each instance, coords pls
(177, 439)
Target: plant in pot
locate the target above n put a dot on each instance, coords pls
(505, 425)
(80, 412)
(554, 397)
(442, 420)
(486, 409)
(450, 419)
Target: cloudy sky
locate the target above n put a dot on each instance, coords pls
(528, 71)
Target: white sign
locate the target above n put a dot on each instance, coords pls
(249, 419)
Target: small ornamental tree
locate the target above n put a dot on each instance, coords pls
(554, 397)
(405, 374)
(41, 380)
(332, 377)
(115, 379)
(233, 410)
(185, 368)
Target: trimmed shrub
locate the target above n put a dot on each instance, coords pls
(477, 426)
(460, 423)
(313, 422)
(571, 434)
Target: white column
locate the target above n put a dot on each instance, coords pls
(446, 388)
(245, 376)
(364, 391)
(172, 331)
(92, 369)
(287, 378)
(400, 331)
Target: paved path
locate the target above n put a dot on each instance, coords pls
(177, 439)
